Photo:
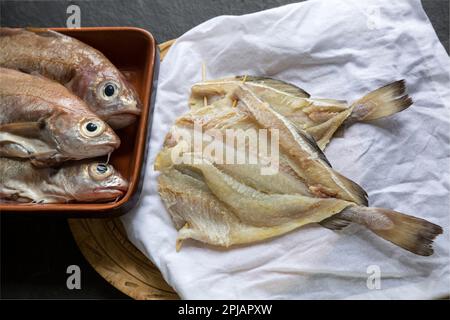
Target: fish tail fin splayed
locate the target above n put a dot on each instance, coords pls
(413, 234)
(380, 103)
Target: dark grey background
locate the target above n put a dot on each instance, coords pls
(35, 251)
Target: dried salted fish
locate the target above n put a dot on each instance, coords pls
(321, 118)
(225, 204)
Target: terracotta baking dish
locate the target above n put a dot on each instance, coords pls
(133, 51)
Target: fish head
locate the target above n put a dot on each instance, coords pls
(109, 95)
(93, 181)
(80, 136)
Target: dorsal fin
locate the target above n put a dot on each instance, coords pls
(6, 32)
(277, 84)
(355, 189)
(334, 223)
(313, 144)
(45, 32)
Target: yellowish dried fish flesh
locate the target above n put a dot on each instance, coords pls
(199, 215)
(321, 118)
(225, 204)
(209, 206)
(315, 168)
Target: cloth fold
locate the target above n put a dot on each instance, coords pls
(335, 49)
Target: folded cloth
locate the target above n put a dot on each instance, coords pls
(335, 49)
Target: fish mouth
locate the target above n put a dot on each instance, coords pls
(132, 108)
(106, 149)
(122, 188)
(99, 151)
(103, 195)
(113, 145)
(111, 193)
(127, 112)
(110, 146)
(122, 119)
(135, 111)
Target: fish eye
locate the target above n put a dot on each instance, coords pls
(109, 90)
(100, 171)
(102, 168)
(92, 127)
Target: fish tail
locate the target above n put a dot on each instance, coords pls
(413, 234)
(382, 102)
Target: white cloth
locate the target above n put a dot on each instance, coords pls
(336, 49)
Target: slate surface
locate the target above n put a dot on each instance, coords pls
(35, 251)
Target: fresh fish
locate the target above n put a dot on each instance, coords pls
(42, 121)
(321, 118)
(81, 68)
(230, 204)
(85, 181)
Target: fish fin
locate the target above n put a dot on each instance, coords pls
(355, 189)
(302, 133)
(6, 32)
(8, 194)
(163, 160)
(340, 132)
(312, 142)
(13, 150)
(183, 234)
(44, 76)
(324, 131)
(277, 84)
(25, 129)
(45, 32)
(45, 163)
(382, 102)
(334, 223)
(333, 102)
(410, 233)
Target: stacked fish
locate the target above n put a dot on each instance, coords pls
(60, 101)
(225, 204)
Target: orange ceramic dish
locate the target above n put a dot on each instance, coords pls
(133, 51)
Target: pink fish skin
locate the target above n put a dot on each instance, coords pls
(81, 68)
(43, 121)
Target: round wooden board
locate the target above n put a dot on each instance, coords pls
(106, 247)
